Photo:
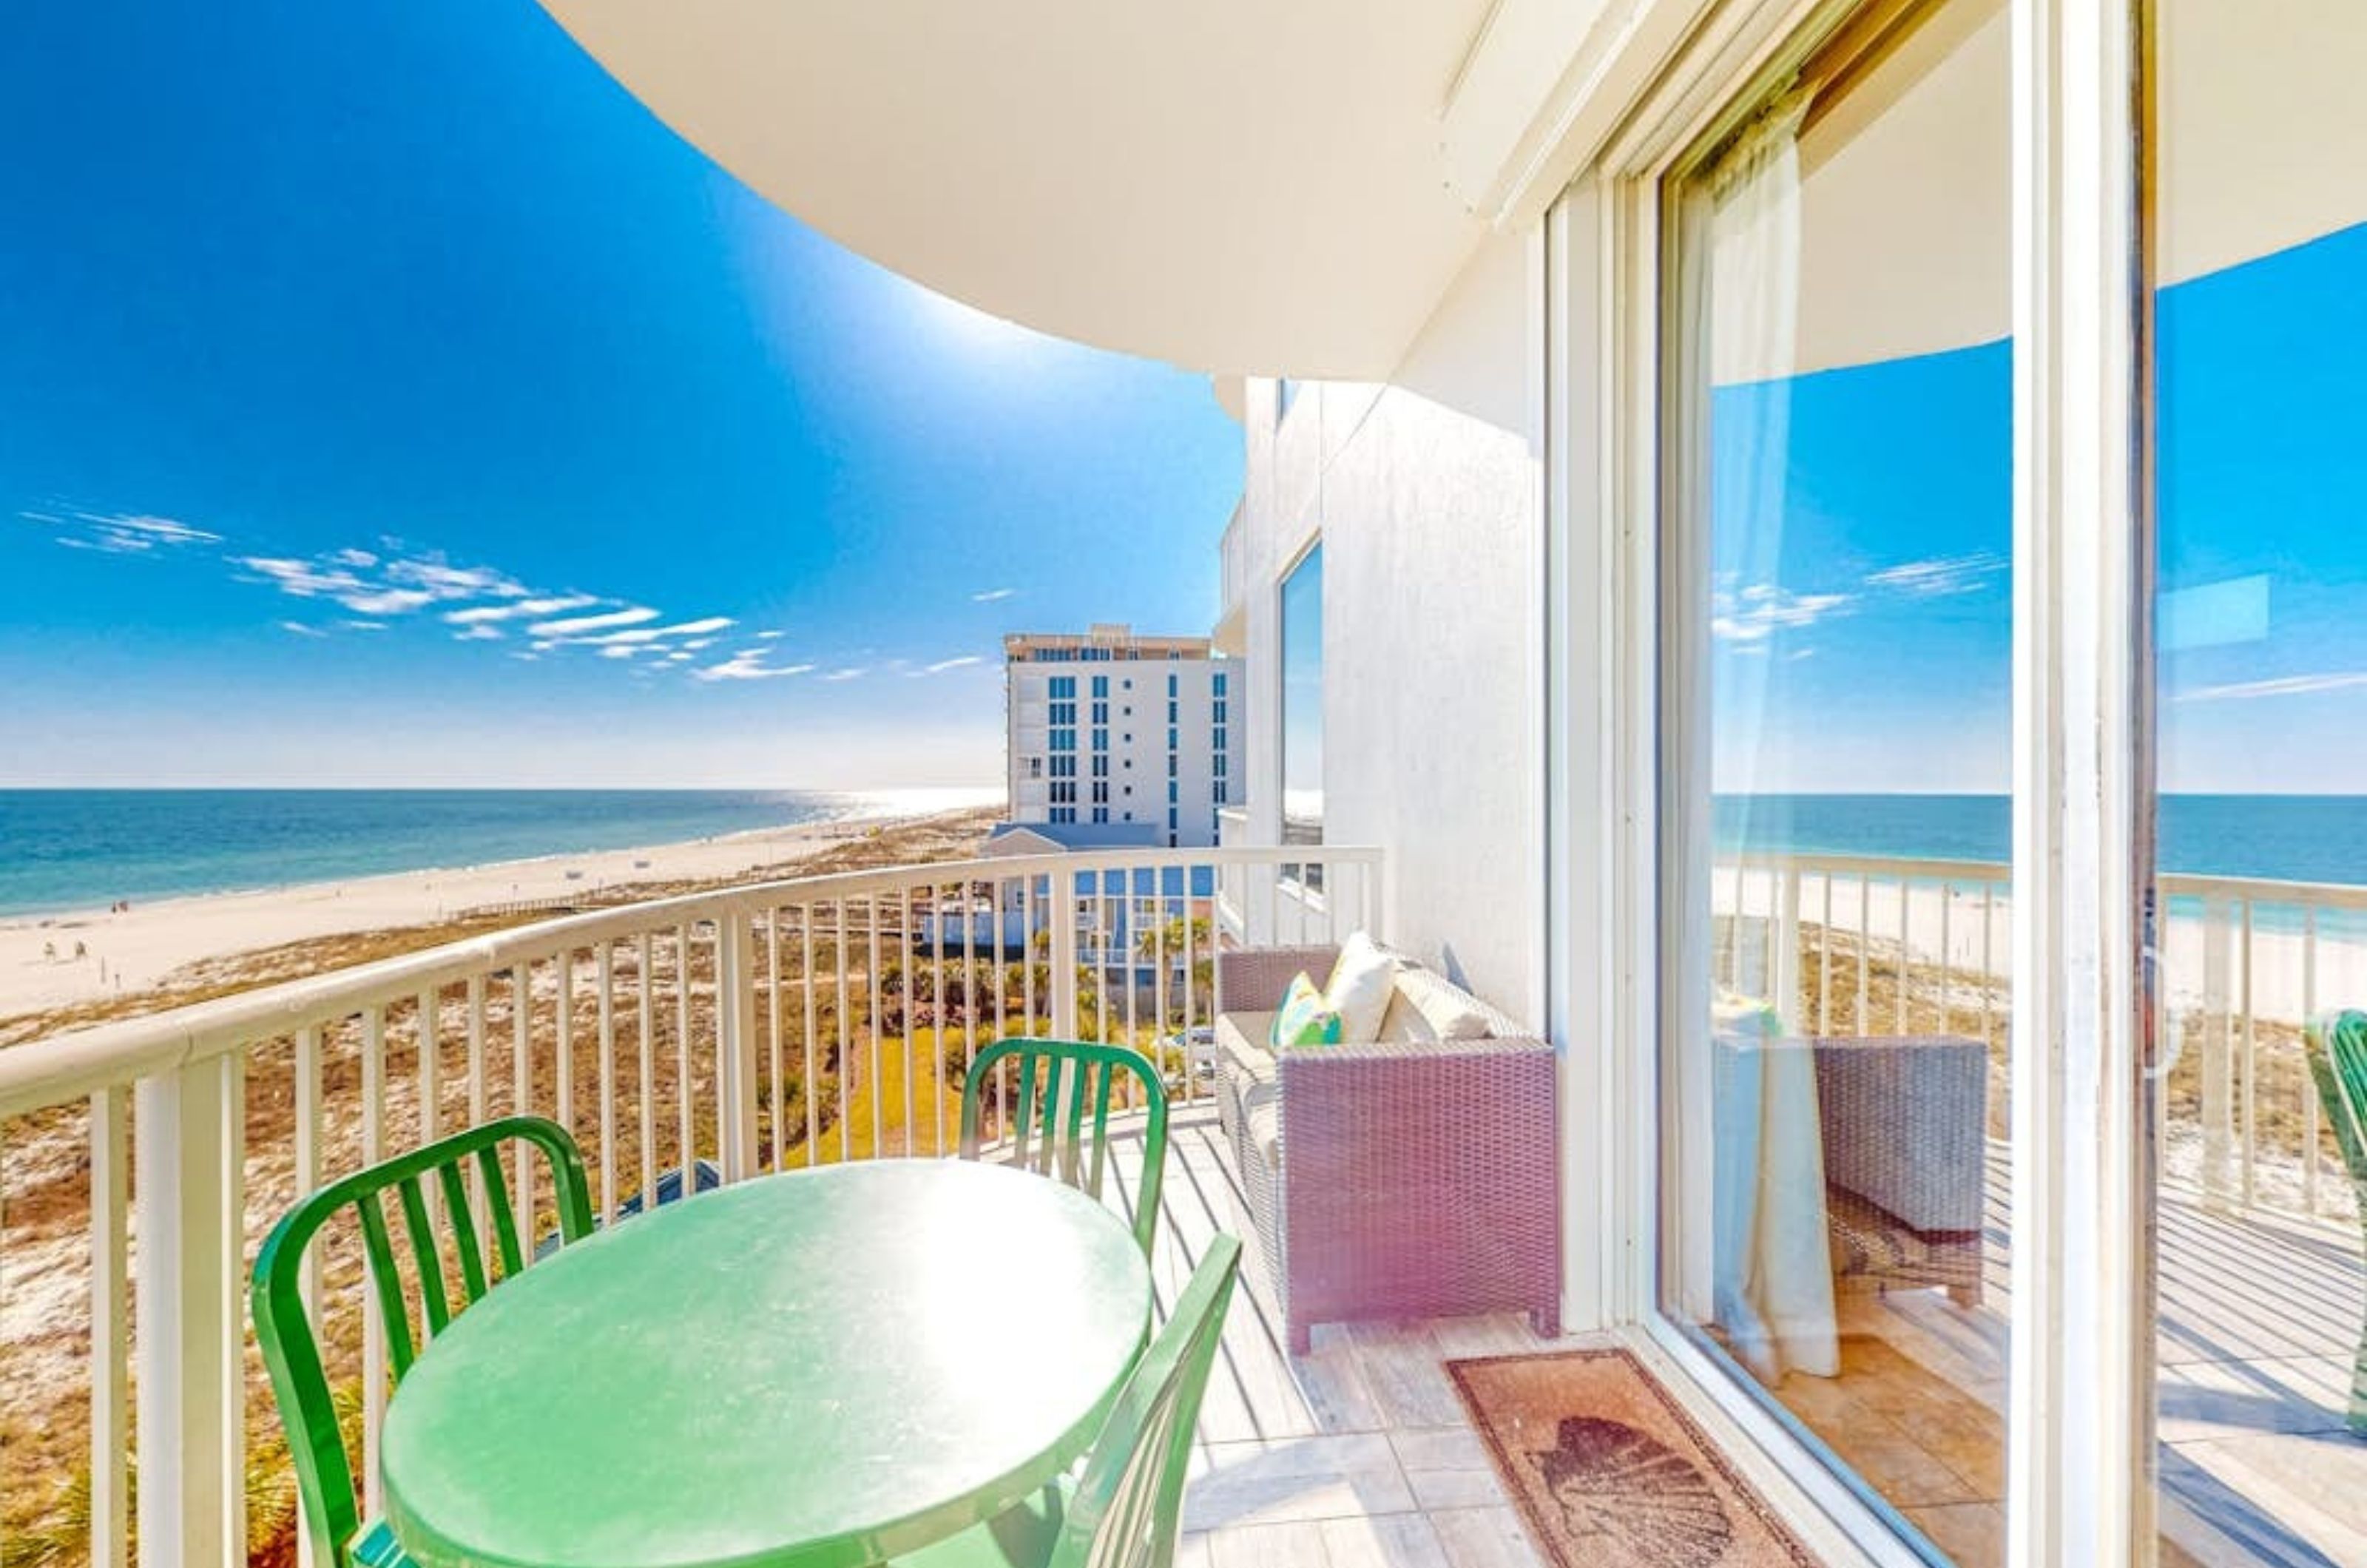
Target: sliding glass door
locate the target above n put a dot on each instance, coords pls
(2260, 458)
(1836, 753)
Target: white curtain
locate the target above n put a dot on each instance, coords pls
(1753, 1254)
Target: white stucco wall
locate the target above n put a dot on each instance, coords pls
(1425, 492)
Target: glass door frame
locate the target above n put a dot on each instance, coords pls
(2080, 1440)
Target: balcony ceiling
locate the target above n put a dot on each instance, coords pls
(1229, 186)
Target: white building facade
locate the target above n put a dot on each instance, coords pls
(1109, 728)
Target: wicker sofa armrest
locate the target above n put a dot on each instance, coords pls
(1418, 1180)
(1253, 980)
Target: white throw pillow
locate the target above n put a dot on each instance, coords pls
(1403, 1024)
(1449, 1009)
(1359, 989)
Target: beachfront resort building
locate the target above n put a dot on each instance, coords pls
(1759, 516)
(1109, 728)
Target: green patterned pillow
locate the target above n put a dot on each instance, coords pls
(1304, 1019)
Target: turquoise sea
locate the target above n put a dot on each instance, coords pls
(78, 849)
(2283, 838)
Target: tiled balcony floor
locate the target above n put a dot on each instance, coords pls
(1358, 1454)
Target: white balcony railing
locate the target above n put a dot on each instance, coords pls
(1855, 945)
(718, 1036)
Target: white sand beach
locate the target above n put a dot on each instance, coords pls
(57, 960)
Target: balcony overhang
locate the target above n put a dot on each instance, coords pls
(1228, 186)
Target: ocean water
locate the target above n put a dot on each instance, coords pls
(2282, 838)
(78, 849)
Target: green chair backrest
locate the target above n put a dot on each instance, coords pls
(1129, 1501)
(325, 1478)
(2337, 1059)
(1048, 1130)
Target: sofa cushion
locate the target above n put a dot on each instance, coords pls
(1242, 1049)
(1402, 1023)
(1451, 1012)
(1360, 987)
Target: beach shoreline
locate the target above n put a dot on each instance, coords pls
(73, 957)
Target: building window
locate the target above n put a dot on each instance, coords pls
(1302, 701)
(1101, 765)
(1064, 741)
(1064, 814)
(1217, 739)
(1220, 712)
(1064, 792)
(1217, 682)
(1063, 686)
(1171, 691)
(1174, 791)
(1101, 686)
(1101, 791)
(1217, 764)
(1172, 739)
(1101, 813)
(1063, 713)
(1100, 739)
(1064, 767)
(1174, 710)
(1216, 791)
(1101, 713)
(1035, 767)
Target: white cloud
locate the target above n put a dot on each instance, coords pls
(631, 616)
(386, 601)
(351, 557)
(767, 636)
(855, 672)
(658, 634)
(478, 633)
(2278, 686)
(1758, 610)
(304, 579)
(622, 652)
(942, 665)
(440, 578)
(363, 625)
(991, 595)
(119, 533)
(747, 664)
(520, 609)
(1941, 575)
(301, 629)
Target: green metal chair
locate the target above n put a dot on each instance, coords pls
(2338, 1060)
(325, 1478)
(1124, 1509)
(1048, 1130)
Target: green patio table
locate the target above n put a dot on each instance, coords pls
(818, 1369)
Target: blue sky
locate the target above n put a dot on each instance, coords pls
(1866, 645)
(363, 365)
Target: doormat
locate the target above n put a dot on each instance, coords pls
(1609, 1473)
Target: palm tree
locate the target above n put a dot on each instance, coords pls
(1168, 938)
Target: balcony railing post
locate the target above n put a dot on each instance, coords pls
(2218, 1075)
(735, 1023)
(190, 1390)
(1062, 923)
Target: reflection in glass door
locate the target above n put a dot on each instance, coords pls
(1836, 756)
(2260, 463)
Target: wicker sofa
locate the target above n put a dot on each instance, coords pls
(1390, 1181)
